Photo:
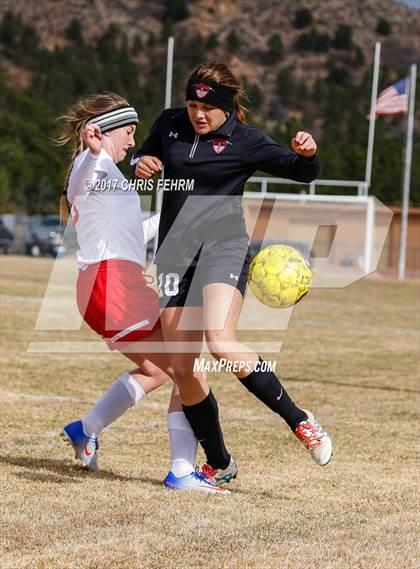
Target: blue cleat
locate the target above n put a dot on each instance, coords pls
(195, 481)
(85, 447)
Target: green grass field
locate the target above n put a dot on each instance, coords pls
(350, 355)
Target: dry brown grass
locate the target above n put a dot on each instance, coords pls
(350, 355)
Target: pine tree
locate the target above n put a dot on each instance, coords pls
(232, 41)
(383, 27)
(211, 41)
(151, 42)
(175, 10)
(256, 97)
(343, 37)
(286, 85)
(10, 28)
(303, 18)
(137, 45)
(275, 48)
(74, 31)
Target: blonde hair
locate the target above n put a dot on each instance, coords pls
(220, 73)
(75, 119)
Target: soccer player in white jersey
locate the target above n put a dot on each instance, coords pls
(112, 294)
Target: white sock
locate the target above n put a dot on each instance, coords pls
(183, 444)
(122, 395)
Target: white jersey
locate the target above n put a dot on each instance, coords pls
(106, 212)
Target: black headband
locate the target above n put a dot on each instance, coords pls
(210, 92)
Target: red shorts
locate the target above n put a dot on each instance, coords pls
(116, 302)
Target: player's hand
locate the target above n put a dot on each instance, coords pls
(148, 166)
(304, 144)
(92, 137)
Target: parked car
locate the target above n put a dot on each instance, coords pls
(46, 237)
(6, 239)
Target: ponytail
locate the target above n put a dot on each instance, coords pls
(65, 206)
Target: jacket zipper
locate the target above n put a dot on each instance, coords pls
(194, 146)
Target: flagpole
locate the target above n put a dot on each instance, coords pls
(407, 174)
(372, 116)
(169, 65)
(168, 98)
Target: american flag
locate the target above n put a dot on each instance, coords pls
(393, 100)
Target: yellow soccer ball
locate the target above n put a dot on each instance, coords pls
(279, 276)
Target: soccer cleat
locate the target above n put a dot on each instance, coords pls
(315, 438)
(221, 476)
(85, 447)
(195, 481)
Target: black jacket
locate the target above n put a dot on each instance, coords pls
(220, 163)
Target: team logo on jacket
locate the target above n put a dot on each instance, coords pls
(202, 89)
(219, 144)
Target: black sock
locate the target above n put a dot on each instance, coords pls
(268, 389)
(204, 420)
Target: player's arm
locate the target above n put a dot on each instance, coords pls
(147, 160)
(263, 153)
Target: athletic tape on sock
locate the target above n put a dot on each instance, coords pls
(134, 389)
(177, 420)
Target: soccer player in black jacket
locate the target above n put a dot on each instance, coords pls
(208, 152)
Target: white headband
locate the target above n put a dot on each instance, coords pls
(115, 119)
